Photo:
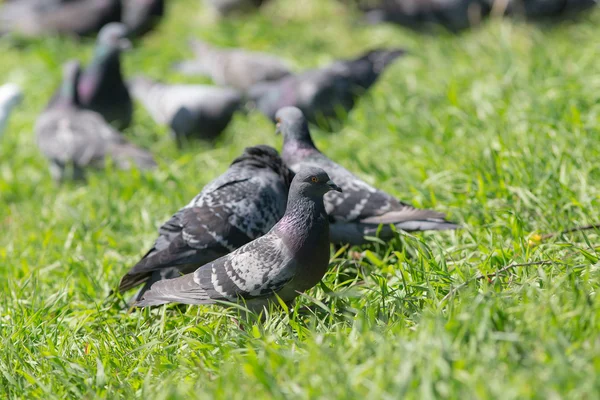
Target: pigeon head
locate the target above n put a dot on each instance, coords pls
(381, 58)
(113, 36)
(312, 182)
(292, 124)
(263, 156)
(10, 95)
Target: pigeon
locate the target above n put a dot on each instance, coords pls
(291, 258)
(454, 15)
(101, 87)
(228, 7)
(322, 93)
(237, 68)
(10, 96)
(361, 208)
(239, 206)
(42, 17)
(73, 138)
(198, 111)
(140, 16)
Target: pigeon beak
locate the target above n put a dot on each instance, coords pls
(333, 186)
(125, 44)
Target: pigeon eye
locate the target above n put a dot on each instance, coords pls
(314, 179)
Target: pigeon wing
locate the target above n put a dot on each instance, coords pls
(256, 270)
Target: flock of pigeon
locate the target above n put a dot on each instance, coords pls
(263, 228)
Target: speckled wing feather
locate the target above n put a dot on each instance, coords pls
(237, 207)
(256, 270)
(361, 202)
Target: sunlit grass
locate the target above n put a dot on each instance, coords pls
(498, 127)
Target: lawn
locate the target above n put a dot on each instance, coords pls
(499, 127)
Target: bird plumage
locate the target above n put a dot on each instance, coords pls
(233, 67)
(101, 87)
(43, 17)
(323, 93)
(239, 206)
(291, 258)
(71, 137)
(191, 111)
(360, 209)
(140, 16)
(10, 97)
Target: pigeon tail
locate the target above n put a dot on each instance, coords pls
(126, 153)
(413, 219)
(183, 290)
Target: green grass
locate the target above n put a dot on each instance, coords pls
(498, 127)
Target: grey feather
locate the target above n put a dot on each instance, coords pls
(360, 208)
(237, 68)
(71, 137)
(10, 97)
(291, 258)
(43, 17)
(323, 93)
(239, 206)
(199, 111)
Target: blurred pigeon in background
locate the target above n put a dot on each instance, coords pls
(233, 67)
(457, 15)
(10, 96)
(73, 138)
(239, 206)
(192, 111)
(140, 16)
(360, 209)
(228, 7)
(43, 17)
(322, 93)
(101, 86)
(291, 258)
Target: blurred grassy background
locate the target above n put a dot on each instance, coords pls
(498, 127)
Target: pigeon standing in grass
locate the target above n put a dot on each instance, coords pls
(43, 17)
(73, 138)
(361, 208)
(322, 93)
(239, 206)
(10, 96)
(101, 87)
(140, 16)
(191, 111)
(291, 258)
(237, 68)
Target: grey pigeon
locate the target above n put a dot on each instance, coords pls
(237, 68)
(454, 15)
(43, 17)
(237, 207)
(198, 111)
(228, 7)
(291, 258)
(457, 15)
(140, 16)
(101, 87)
(361, 208)
(322, 93)
(10, 96)
(74, 138)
